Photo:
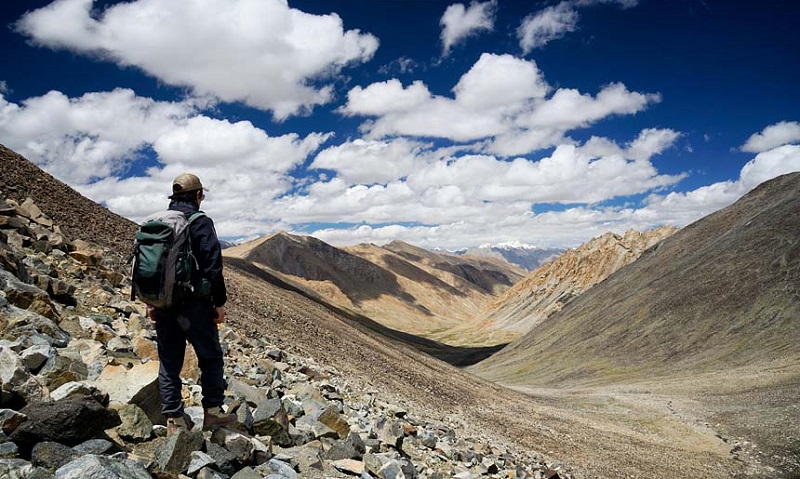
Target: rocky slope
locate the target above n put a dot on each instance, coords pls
(76, 215)
(79, 397)
(403, 287)
(547, 289)
(712, 308)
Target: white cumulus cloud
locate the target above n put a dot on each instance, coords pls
(502, 99)
(778, 134)
(259, 52)
(91, 142)
(460, 22)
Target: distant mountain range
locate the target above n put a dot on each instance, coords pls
(399, 285)
(523, 255)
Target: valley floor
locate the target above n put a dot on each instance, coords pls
(739, 423)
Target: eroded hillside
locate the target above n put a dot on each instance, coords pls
(547, 289)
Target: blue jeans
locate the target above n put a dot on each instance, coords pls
(202, 334)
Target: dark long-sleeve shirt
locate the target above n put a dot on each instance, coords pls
(206, 249)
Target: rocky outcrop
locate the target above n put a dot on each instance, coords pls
(547, 289)
(78, 400)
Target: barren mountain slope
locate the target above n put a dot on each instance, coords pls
(715, 304)
(587, 434)
(401, 286)
(547, 289)
(78, 216)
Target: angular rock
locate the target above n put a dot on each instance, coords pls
(102, 467)
(316, 429)
(15, 468)
(239, 444)
(198, 461)
(262, 450)
(29, 209)
(280, 468)
(10, 420)
(79, 390)
(397, 469)
(352, 447)
(60, 370)
(137, 385)
(175, 453)
(94, 446)
(69, 422)
(8, 450)
(331, 418)
(26, 296)
(306, 458)
(136, 426)
(35, 356)
(225, 460)
(31, 322)
(270, 419)
(17, 386)
(349, 466)
(52, 455)
(251, 394)
(246, 473)
(389, 432)
(207, 473)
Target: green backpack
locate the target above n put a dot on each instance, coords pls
(163, 264)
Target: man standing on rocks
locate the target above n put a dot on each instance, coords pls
(194, 319)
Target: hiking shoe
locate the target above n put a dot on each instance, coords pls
(176, 423)
(214, 418)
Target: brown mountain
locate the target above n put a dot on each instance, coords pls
(401, 286)
(709, 315)
(547, 289)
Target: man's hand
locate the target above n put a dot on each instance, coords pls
(220, 315)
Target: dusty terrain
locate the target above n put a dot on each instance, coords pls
(624, 431)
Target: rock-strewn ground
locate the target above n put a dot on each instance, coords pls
(79, 397)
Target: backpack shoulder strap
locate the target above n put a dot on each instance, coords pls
(194, 216)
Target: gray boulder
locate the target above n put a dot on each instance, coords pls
(270, 419)
(69, 422)
(136, 426)
(52, 455)
(226, 461)
(10, 420)
(352, 447)
(102, 467)
(175, 453)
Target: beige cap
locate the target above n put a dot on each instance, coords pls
(185, 183)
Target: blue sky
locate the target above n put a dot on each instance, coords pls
(444, 124)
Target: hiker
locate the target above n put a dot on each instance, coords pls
(194, 317)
